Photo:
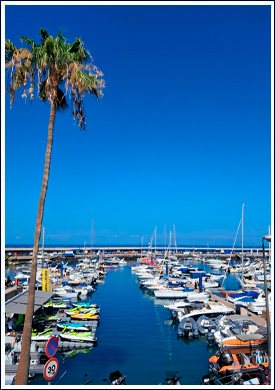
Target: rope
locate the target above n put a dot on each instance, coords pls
(231, 252)
(60, 377)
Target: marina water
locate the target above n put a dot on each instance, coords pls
(136, 337)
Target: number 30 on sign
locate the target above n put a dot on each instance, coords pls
(50, 369)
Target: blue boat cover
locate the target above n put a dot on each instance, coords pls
(245, 294)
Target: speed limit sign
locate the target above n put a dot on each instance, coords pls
(50, 369)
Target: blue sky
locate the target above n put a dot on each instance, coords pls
(182, 135)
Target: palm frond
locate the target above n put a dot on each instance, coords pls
(9, 50)
(44, 35)
(29, 41)
(88, 83)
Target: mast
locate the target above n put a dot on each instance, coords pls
(242, 242)
(43, 242)
(141, 243)
(170, 243)
(269, 244)
(175, 237)
(92, 235)
(164, 239)
(155, 240)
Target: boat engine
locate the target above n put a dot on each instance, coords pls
(174, 315)
(210, 338)
(225, 359)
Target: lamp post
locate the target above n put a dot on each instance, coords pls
(267, 238)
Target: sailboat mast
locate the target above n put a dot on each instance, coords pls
(269, 244)
(43, 242)
(175, 237)
(242, 242)
(164, 238)
(155, 240)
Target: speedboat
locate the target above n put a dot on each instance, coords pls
(210, 310)
(66, 292)
(170, 293)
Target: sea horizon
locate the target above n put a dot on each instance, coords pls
(77, 246)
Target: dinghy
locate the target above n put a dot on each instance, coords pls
(188, 328)
(226, 363)
(204, 323)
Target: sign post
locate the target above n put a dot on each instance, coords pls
(52, 365)
(50, 369)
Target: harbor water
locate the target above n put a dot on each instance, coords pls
(135, 336)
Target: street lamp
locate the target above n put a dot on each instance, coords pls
(268, 239)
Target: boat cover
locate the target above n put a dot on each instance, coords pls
(245, 294)
(250, 337)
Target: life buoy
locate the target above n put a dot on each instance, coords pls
(16, 282)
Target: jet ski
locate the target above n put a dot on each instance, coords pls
(56, 305)
(78, 336)
(86, 305)
(72, 326)
(87, 316)
(41, 336)
(80, 310)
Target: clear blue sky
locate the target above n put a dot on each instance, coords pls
(182, 134)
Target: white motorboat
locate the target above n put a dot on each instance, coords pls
(178, 306)
(171, 293)
(66, 292)
(210, 310)
(122, 262)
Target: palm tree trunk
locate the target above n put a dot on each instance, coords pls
(22, 374)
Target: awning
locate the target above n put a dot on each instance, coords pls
(19, 308)
(18, 304)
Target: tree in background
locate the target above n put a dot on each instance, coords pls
(57, 69)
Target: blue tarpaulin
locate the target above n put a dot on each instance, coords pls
(200, 283)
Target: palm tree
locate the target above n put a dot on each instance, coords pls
(58, 69)
(7, 261)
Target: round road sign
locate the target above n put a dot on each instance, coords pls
(50, 369)
(51, 347)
